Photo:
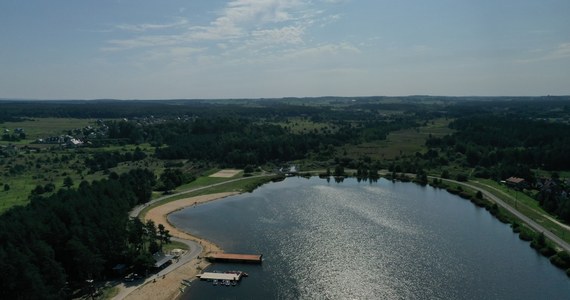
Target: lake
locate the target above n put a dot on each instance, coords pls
(361, 240)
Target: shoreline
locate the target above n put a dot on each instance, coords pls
(169, 286)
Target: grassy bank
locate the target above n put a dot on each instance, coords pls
(247, 184)
(526, 205)
(537, 240)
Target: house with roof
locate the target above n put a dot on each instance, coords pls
(516, 182)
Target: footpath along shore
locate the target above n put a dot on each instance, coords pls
(168, 286)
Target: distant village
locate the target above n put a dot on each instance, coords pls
(73, 138)
(80, 136)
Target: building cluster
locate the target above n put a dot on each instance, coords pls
(77, 137)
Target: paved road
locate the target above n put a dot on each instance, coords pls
(544, 215)
(194, 248)
(562, 244)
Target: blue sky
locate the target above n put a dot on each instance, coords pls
(163, 49)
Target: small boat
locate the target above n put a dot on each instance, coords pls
(227, 282)
(215, 282)
(234, 283)
(186, 282)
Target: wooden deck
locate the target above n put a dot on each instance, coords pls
(229, 257)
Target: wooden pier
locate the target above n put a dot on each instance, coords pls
(239, 258)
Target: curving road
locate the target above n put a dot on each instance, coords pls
(561, 243)
(553, 220)
(194, 248)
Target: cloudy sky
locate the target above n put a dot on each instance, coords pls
(161, 49)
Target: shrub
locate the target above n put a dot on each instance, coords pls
(461, 177)
(561, 260)
(526, 234)
(547, 251)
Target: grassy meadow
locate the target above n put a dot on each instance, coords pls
(401, 142)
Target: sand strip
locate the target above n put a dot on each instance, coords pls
(226, 173)
(168, 288)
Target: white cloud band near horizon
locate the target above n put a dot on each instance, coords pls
(273, 48)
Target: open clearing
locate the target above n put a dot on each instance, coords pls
(401, 142)
(227, 173)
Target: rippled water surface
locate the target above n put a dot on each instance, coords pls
(365, 240)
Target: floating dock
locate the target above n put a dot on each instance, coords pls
(219, 276)
(228, 257)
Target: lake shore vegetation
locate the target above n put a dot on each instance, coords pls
(64, 164)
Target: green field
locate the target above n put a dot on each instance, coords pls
(45, 164)
(304, 125)
(401, 142)
(44, 127)
(525, 205)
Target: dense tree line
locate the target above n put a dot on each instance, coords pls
(232, 141)
(501, 146)
(240, 142)
(554, 197)
(70, 236)
(13, 137)
(508, 145)
(105, 160)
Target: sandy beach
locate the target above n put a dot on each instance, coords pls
(169, 286)
(226, 173)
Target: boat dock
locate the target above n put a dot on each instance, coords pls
(219, 276)
(228, 257)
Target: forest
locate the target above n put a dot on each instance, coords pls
(63, 233)
(61, 240)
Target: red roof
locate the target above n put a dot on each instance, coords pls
(515, 180)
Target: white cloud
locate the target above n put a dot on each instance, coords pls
(562, 51)
(284, 35)
(239, 15)
(173, 54)
(143, 41)
(238, 19)
(242, 32)
(148, 26)
(335, 1)
(327, 49)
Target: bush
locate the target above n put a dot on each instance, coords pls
(461, 177)
(466, 195)
(561, 260)
(516, 227)
(547, 251)
(248, 169)
(453, 191)
(526, 234)
(538, 242)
